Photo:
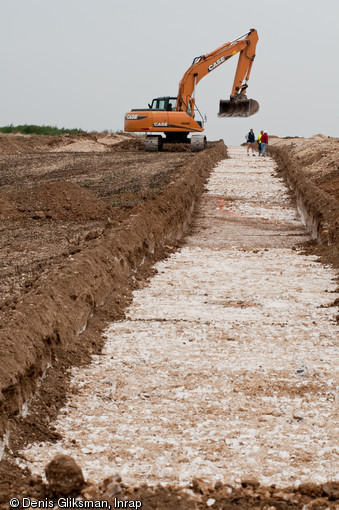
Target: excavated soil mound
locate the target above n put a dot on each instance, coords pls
(15, 144)
(89, 142)
(310, 167)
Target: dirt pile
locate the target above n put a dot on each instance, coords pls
(64, 476)
(15, 144)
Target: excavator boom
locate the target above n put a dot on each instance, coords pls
(238, 105)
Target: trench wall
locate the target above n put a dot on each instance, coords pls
(57, 309)
(319, 210)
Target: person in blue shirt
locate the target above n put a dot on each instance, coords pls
(250, 142)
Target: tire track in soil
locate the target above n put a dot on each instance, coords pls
(226, 363)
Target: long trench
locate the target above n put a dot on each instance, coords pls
(226, 364)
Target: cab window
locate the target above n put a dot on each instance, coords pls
(172, 102)
(161, 104)
(158, 104)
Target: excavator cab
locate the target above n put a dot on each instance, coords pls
(163, 103)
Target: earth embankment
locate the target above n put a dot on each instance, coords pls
(310, 167)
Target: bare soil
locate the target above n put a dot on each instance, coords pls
(82, 220)
(54, 199)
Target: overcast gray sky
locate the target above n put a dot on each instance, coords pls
(84, 63)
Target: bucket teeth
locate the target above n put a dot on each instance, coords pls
(238, 107)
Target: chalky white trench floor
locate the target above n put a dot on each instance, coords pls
(226, 365)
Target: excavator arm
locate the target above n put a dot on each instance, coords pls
(238, 105)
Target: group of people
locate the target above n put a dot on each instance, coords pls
(262, 141)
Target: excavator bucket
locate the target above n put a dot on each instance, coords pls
(238, 107)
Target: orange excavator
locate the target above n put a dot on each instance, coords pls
(175, 116)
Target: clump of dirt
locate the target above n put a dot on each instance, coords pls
(64, 476)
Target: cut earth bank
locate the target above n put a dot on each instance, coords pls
(62, 300)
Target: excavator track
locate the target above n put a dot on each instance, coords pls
(198, 143)
(153, 143)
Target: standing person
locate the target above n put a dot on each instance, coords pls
(250, 142)
(259, 141)
(264, 143)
